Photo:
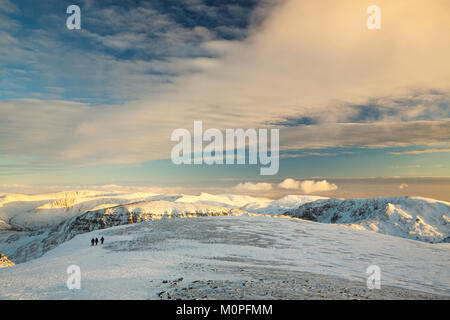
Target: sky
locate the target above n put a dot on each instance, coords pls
(365, 110)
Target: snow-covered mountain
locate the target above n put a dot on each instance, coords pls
(140, 212)
(34, 212)
(251, 204)
(24, 246)
(414, 218)
(50, 219)
(33, 225)
(48, 232)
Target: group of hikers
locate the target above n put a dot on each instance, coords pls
(95, 241)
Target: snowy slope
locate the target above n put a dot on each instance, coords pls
(136, 259)
(414, 218)
(24, 246)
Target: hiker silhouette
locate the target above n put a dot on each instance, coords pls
(102, 240)
(96, 241)
(92, 241)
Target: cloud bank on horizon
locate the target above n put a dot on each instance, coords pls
(307, 186)
(112, 93)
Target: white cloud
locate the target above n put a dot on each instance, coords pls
(289, 184)
(307, 186)
(311, 186)
(252, 187)
(433, 150)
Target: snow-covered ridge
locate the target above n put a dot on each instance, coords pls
(145, 211)
(38, 211)
(407, 217)
(48, 196)
(250, 204)
(33, 212)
